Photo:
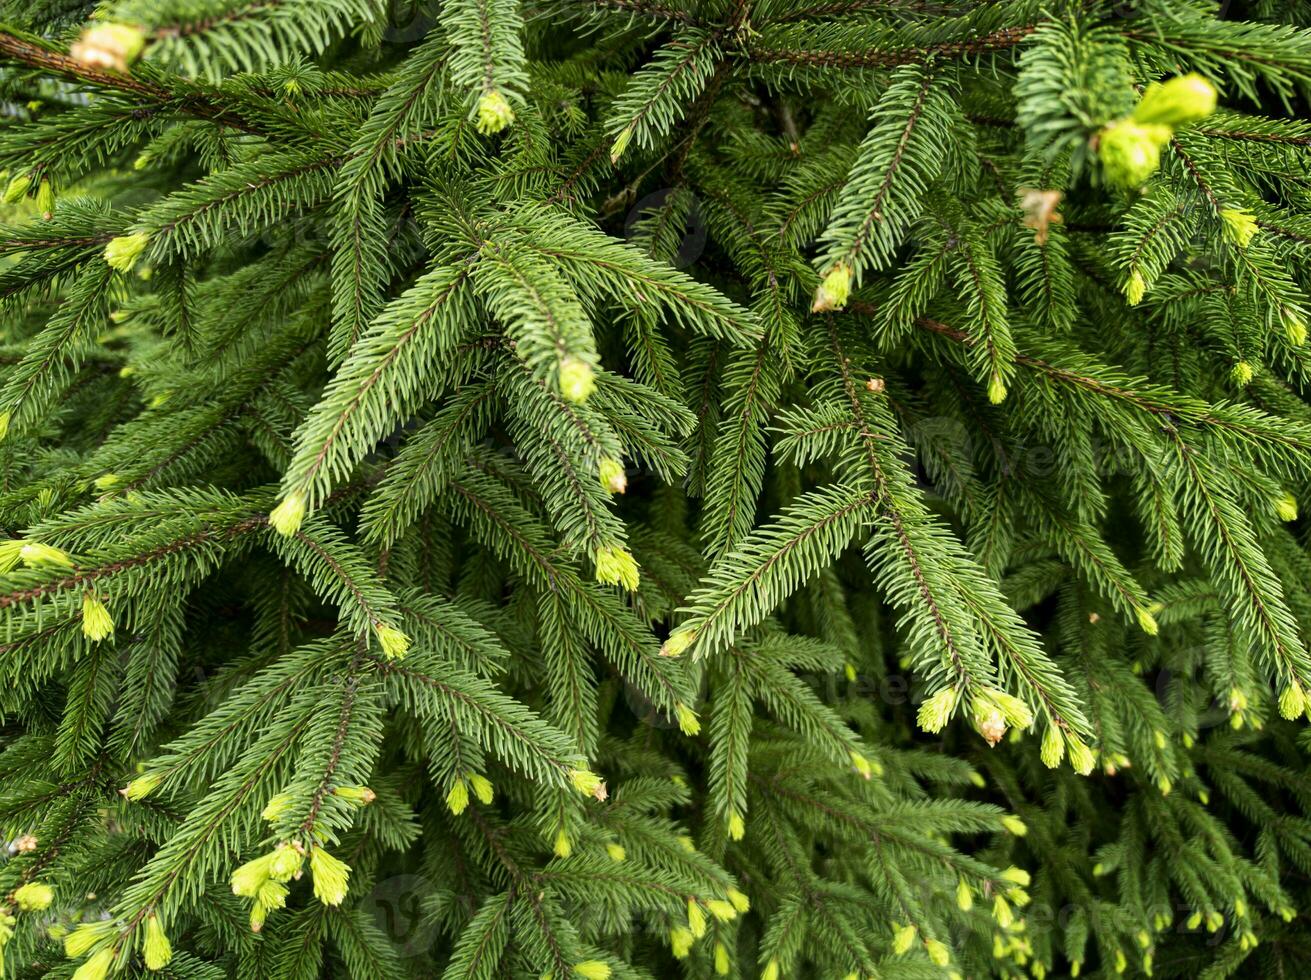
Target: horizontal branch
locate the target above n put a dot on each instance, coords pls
(1000, 40)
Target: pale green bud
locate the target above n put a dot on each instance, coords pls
(834, 291)
(458, 798)
(988, 718)
(34, 896)
(36, 554)
(615, 565)
(1294, 327)
(1130, 153)
(286, 518)
(903, 938)
(81, 940)
(394, 643)
(680, 941)
(359, 795)
(247, 879)
(696, 919)
(864, 766)
(285, 862)
(1053, 747)
(722, 910)
(97, 967)
(576, 378)
(45, 199)
(1017, 876)
(122, 252)
(996, 389)
(688, 722)
(96, 622)
(620, 144)
(1081, 757)
(259, 913)
(1292, 702)
(1001, 912)
(108, 45)
(330, 876)
(678, 642)
(936, 711)
(737, 827)
(612, 476)
(1182, 99)
(588, 783)
(157, 950)
(1286, 507)
(938, 952)
(276, 806)
(1146, 621)
(1240, 226)
(739, 900)
(11, 551)
(494, 112)
(1015, 711)
(141, 787)
(17, 189)
(272, 894)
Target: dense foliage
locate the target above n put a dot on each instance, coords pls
(651, 488)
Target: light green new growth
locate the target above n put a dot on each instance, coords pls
(649, 488)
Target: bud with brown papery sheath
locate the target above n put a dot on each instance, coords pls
(611, 474)
(108, 45)
(833, 292)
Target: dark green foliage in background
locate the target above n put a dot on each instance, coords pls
(575, 488)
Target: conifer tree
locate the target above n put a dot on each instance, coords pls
(654, 488)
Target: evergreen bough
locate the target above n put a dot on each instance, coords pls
(647, 488)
